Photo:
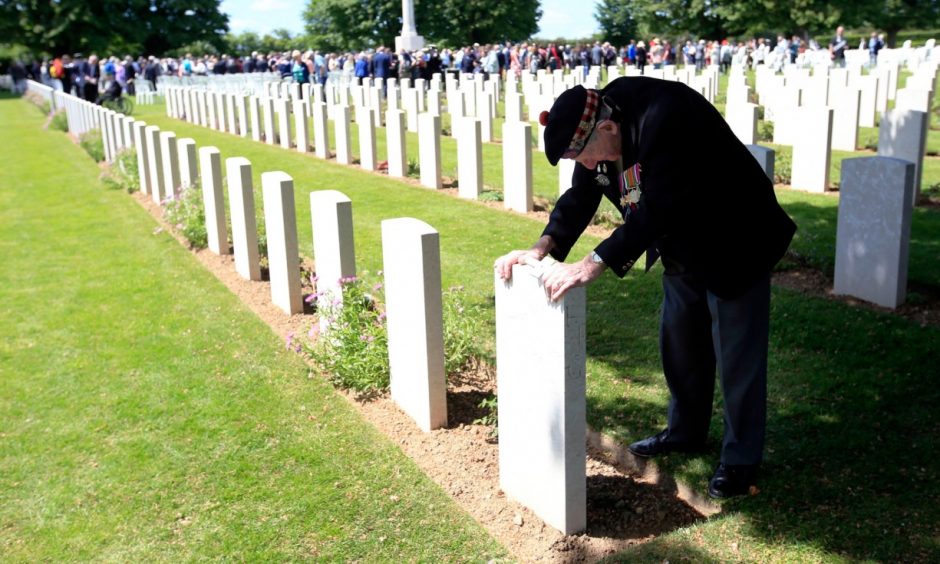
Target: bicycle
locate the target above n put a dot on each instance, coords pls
(124, 105)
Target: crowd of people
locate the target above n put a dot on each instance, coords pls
(93, 78)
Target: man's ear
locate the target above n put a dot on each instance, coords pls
(609, 127)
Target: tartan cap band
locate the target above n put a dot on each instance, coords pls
(585, 127)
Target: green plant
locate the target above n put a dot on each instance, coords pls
(462, 323)
(414, 168)
(490, 419)
(91, 142)
(59, 121)
(491, 196)
(782, 166)
(126, 171)
(353, 350)
(188, 217)
(765, 131)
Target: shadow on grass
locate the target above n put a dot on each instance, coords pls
(814, 244)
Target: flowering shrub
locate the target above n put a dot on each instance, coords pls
(188, 217)
(354, 351)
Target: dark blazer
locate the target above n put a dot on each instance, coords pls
(704, 202)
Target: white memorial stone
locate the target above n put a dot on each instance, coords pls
(321, 135)
(765, 158)
(903, 135)
(395, 143)
(874, 230)
(143, 156)
(811, 151)
(343, 141)
(517, 166)
(469, 158)
(847, 102)
(171, 170)
(367, 148)
(542, 407)
(155, 162)
(333, 249)
(210, 166)
(282, 107)
(412, 264)
(429, 150)
(280, 220)
(187, 162)
(742, 118)
(241, 200)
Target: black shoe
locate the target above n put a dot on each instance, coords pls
(732, 480)
(660, 444)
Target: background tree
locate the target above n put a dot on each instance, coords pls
(615, 21)
(357, 24)
(111, 26)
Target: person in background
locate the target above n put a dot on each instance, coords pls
(837, 48)
(130, 75)
(875, 44)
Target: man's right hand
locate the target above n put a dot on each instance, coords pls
(504, 263)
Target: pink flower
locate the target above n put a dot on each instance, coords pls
(290, 340)
(377, 287)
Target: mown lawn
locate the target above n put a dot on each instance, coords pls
(850, 470)
(147, 415)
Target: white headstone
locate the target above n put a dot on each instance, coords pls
(301, 126)
(241, 200)
(282, 107)
(143, 156)
(343, 141)
(412, 263)
(270, 136)
(517, 166)
(765, 158)
(903, 135)
(469, 158)
(874, 229)
(367, 153)
(210, 167)
(321, 135)
(155, 162)
(846, 104)
(395, 143)
(171, 169)
(429, 150)
(333, 249)
(280, 220)
(742, 118)
(254, 111)
(811, 150)
(565, 174)
(187, 158)
(542, 408)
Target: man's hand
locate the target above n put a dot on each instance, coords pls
(504, 263)
(563, 277)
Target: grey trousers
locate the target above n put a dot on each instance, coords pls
(700, 330)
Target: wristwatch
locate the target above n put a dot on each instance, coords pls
(596, 258)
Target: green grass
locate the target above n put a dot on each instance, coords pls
(850, 471)
(147, 415)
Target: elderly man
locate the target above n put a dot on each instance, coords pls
(718, 228)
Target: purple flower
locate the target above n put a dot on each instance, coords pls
(290, 340)
(311, 298)
(377, 287)
(366, 338)
(381, 316)
(337, 301)
(314, 278)
(314, 332)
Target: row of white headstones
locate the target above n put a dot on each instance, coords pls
(871, 264)
(542, 451)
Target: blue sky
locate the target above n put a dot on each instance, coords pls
(559, 18)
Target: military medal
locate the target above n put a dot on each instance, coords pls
(630, 190)
(601, 177)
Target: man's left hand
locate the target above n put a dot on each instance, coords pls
(563, 277)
